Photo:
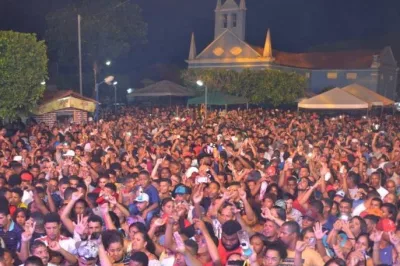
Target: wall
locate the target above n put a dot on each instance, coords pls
(387, 80)
(365, 77)
(49, 118)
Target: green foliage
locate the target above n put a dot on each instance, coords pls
(265, 86)
(109, 29)
(23, 66)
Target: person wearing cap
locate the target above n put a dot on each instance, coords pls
(142, 204)
(309, 218)
(182, 193)
(152, 195)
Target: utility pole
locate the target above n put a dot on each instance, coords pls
(80, 55)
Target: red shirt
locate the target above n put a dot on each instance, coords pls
(224, 254)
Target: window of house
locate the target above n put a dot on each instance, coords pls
(391, 77)
(308, 75)
(331, 75)
(225, 21)
(351, 75)
(234, 20)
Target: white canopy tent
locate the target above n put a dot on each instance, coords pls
(334, 99)
(367, 95)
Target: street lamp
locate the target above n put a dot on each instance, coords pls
(129, 90)
(107, 81)
(43, 83)
(115, 95)
(200, 83)
(108, 63)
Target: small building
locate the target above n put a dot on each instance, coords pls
(63, 106)
(374, 69)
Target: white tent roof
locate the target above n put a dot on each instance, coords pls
(367, 95)
(333, 99)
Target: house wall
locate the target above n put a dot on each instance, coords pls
(321, 79)
(387, 79)
(50, 118)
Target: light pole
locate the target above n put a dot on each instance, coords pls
(115, 83)
(201, 84)
(107, 81)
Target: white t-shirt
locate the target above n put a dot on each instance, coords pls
(358, 210)
(382, 192)
(66, 243)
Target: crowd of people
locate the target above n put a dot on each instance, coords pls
(165, 186)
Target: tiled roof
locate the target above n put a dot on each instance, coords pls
(354, 59)
(50, 95)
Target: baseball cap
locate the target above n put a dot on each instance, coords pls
(181, 190)
(340, 193)
(70, 153)
(143, 197)
(281, 203)
(190, 171)
(386, 225)
(26, 177)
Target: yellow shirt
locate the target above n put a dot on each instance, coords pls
(22, 205)
(310, 258)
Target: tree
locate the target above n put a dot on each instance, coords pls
(265, 86)
(23, 67)
(109, 29)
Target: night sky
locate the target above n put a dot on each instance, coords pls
(296, 25)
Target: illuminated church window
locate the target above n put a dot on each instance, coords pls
(218, 51)
(236, 50)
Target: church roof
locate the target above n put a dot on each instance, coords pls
(356, 59)
(230, 4)
(350, 59)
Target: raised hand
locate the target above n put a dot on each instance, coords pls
(394, 238)
(242, 194)
(300, 246)
(159, 222)
(112, 200)
(29, 228)
(319, 234)
(337, 225)
(76, 195)
(81, 225)
(227, 195)
(376, 236)
(198, 194)
(199, 224)
(55, 246)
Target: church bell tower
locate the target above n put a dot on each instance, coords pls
(231, 16)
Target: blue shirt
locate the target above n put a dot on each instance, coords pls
(12, 237)
(153, 194)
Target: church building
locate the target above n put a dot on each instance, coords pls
(376, 70)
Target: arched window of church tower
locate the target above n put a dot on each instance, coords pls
(234, 20)
(225, 21)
